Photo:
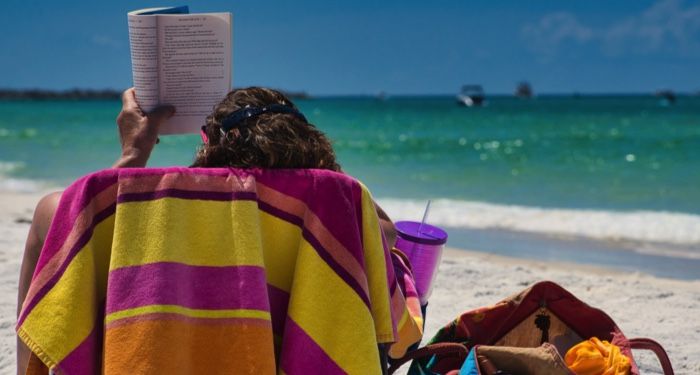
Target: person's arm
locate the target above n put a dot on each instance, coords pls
(138, 134)
(43, 214)
(387, 226)
(138, 131)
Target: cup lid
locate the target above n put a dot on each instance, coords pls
(429, 234)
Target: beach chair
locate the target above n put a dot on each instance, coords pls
(186, 270)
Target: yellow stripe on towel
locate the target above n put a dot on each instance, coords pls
(194, 313)
(339, 338)
(376, 260)
(237, 242)
(280, 264)
(72, 302)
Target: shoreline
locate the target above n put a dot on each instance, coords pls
(617, 256)
(665, 310)
(546, 265)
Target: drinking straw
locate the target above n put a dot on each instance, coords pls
(425, 217)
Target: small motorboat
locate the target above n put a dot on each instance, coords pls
(523, 90)
(471, 96)
(666, 97)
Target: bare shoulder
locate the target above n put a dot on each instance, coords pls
(44, 212)
(48, 203)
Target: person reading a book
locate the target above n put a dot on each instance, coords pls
(250, 127)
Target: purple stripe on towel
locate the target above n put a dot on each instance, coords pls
(279, 302)
(322, 252)
(187, 194)
(86, 358)
(302, 355)
(339, 270)
(196, 287)
(280, 213)
(320, 190)
(73, 201)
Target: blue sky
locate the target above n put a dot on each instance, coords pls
(363, 47)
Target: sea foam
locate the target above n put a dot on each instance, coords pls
(19, 185)
(637, 226)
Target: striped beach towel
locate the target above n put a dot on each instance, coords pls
(193, 270)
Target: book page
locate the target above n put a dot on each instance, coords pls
(143, 39)
(194, 67)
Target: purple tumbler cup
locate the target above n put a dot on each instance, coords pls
(422, 244)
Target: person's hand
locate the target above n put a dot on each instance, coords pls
(138, 131)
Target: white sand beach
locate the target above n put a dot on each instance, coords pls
(643, 306)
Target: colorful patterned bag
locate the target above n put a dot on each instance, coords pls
(544, 316)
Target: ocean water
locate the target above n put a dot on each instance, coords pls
(623, 171)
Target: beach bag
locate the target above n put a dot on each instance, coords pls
(528, 329)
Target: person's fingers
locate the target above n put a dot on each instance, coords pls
(129, 99)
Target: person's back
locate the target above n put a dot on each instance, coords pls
(197, 270)
(250, 128)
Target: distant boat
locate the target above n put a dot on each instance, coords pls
(666, 97)
(471, 96)
(523, 90)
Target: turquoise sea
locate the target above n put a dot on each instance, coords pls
(618, 173)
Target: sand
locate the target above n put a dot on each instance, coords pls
(643, 306)
(667, 311)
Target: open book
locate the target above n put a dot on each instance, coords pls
(180, 59)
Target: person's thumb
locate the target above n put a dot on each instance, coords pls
(160, 114)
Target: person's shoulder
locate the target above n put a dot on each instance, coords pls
(44, 212)
(48, 202)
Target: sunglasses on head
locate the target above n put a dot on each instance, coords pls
(237, 117)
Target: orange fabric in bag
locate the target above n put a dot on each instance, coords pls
(595, 357)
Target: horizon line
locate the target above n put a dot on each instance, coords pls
(107, 92)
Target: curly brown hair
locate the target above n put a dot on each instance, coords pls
(270, 140)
